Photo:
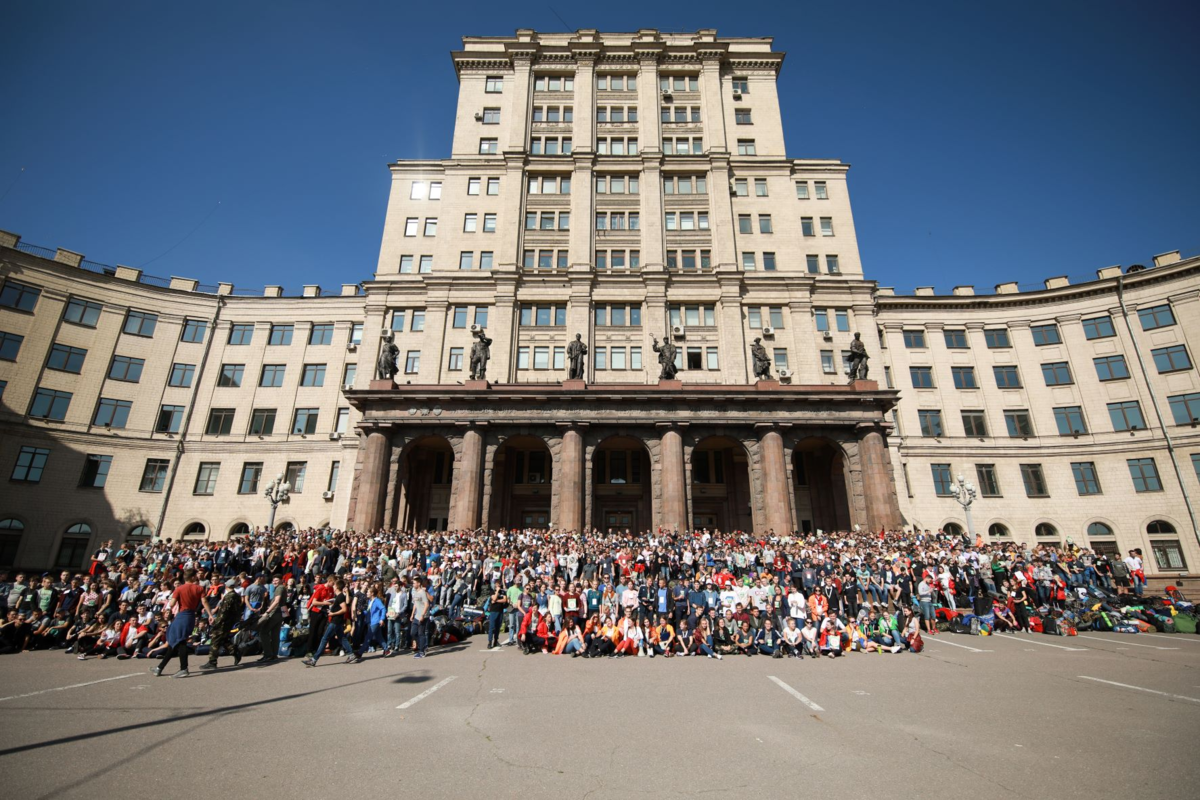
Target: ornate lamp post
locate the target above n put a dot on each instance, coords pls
(277, 491)
(964, 492)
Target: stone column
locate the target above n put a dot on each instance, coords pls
(467, 490)
(776, 495)
(372, 483)
(674, 490)
(879, 489)
(570, 481)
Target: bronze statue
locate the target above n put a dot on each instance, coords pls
(666, 359)
(857, 370)
(480, 354)
(762, 362)
(576, 350)
(386, 367)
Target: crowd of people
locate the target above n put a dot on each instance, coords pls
(593, 594)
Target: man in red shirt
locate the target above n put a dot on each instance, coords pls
(318, 618)
(185, 602)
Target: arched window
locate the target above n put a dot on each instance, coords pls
(240, 529)
(952, 529)
(1099, 530)
(10, 540)
(1044, 530)
(74, 547)
(1160, 527)
(998, 530)
(79, 529)
(284, 527)
(11, 525)
(195, 530)
(140, 532)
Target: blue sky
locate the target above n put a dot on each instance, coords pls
(248, 141)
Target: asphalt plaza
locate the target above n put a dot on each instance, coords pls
(995, 716)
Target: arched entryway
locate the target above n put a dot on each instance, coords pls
(621, 485)
(427, 466)
(819, 479)
(720, 473)
(521, 485)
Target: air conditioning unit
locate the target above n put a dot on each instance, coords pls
(479, 116)
(678, 331)
(737, 95)
(326, 495)
(476, 328)
(386, 332)
(768, 331)
(827, 336)
(335, 436)
(352, 347)
(785, 374)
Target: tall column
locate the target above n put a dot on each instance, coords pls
(467, 489)
(879, 489)
(776, 496)
(569, 478)
(372, 483)
(674, 494)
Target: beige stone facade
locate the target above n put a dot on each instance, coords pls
(628, 188)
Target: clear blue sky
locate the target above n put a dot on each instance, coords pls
(989, 141)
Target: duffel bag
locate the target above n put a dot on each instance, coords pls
(1185, 623)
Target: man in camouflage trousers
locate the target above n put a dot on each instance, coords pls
(227, 615)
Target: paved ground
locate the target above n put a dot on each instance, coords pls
(982, 717)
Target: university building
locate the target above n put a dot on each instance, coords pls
(632, 190)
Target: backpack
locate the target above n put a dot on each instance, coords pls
(1168, 624)
(1103, 622)
(958, 626)
(1185, 623)
(1050, 626)
(1035, 624)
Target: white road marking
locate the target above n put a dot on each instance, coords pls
(1179, 637)
(1123, 642)
(72, 686)
(795, 694)
(1024, 640)
(1141, 689)
(425, 694)
(954, 644)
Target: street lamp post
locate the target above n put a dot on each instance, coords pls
(964, 492)
(277, 491)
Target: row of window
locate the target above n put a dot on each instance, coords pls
(617, 114)
(545, 220)
(543, 114)
(1143, 473)
(1125, 415)
(679, 115)
(1173, 358)
(1098, 327)
(432, 190)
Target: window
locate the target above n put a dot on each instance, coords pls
(313, 375)
(1069, 420)
(95, 471)
(470, 221)
(914, 340)
(541, 358)
(1035, 481)
(745, 147)
(964, 377)
(1111, 368)
(430, 226)
(220, 421)
(356, 333)
(1185, 408)
(181, 375)
(334, 469)
(169, 419)
(19, 296)
(230, 375)
(600, 358)
(998, 530)
(281, 334)
(1086, 481)
(493, 186)
(66, 359)
(931, 422)
(740, 187)
(769, 262)
(349, 373)
(712, 358)
(956, 339)
(489, 223)
(822, 193)
(996, 338)
(801, 190)
(493, 84)
(491, 116)
(412, 362)
(827, 226)
(941, 479)
(843, 320)
(1098, 327)
(193, 330)
(554, 83)
(31, 463)
(206, 477)
(1156, 317)
(922, 377)
(425, 266)
(1171, 359)
(775, 313)
(262, 422)
(139, 323)
(1144, 474)
(1007, 377)
(74, 547)
(1057, 373)
(82, 312)
(304, 421)
(251, 475)
(1018, 423)
(822, 319)
(616, 83)
(321, 333)
(50, 404)
(473, 186)
(741, 86)
(154, 475)
(455, 363)
(831, 265)
(1046, 334)
(1099, 530)
(989, 483)
(695, 358)
(1126, 415)
(1168, 555)
(742, 116)
(974, 423)
(760, 187)
(112, 413)
(1045, 530)
(272, 375)
(488, 147)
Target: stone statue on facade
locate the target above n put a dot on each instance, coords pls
(576, 350)
(762, 362)
(857, 370)
(481, 353)
(666, 359)
(386, 367)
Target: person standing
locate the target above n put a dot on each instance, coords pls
(271, 623)
(335, 628)
(185, 602)
(223, 620)
(497, 606)
(318, 605)
(421, 603)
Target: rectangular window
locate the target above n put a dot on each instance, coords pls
(19, 296)
(1111, 368)
(430, 226)
(304, 421)
(1168, 555)
(827, 226)
(831, 265)
(112, 413)
(635, 358)
(1144, 474)
(843, 320)
(272, 375)
(914, 340)
(1057, 373)
(334, 469)
(411, 225)
(251, 475)
(712, 359)
(775, 314)
(1086, 481)
(989, 482)
(193, 331)
(349, 373)
(1098, 327)
(1007, 377)
(139, 323)
(181, 375)
(418, 321)
(1018, 423)
(1185, 408)
(493, 186)
(1034, 480)
(1069, 420)
(769, 262)
(154, 475)
(262, 422)
(801, 190)
(996, 338)
(822, 319)
(1156, 317)
(491, 116)
(820, 188)
(473, 186)
(412, 362)
(493, 84)
(455, 363)
(741, 116)
(294, 474)
(66, 359)
(600, 358)
(541, 358)
(313, 375)
(230, 375)
(1046, 334)
(425, 265)
(206, 477)
(489, 223)
(931, 422)
(488, 147)
(466, 260)
(745, 147)
(974, 423)
(522, 358)
(220, 421)
(342, 420)
(50, 404)
(281, 334)
(964, 377)
(955, 339)
(941, 479)
(321, 333)
(760, 187)
(1171, 359)
(169, 419)
(406, 264)
(82, 312)
(814, 264)
(31, 463)
(922, 377)
(1126, 416)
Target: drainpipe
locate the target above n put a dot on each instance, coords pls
(1187, 501)
(187, 417)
